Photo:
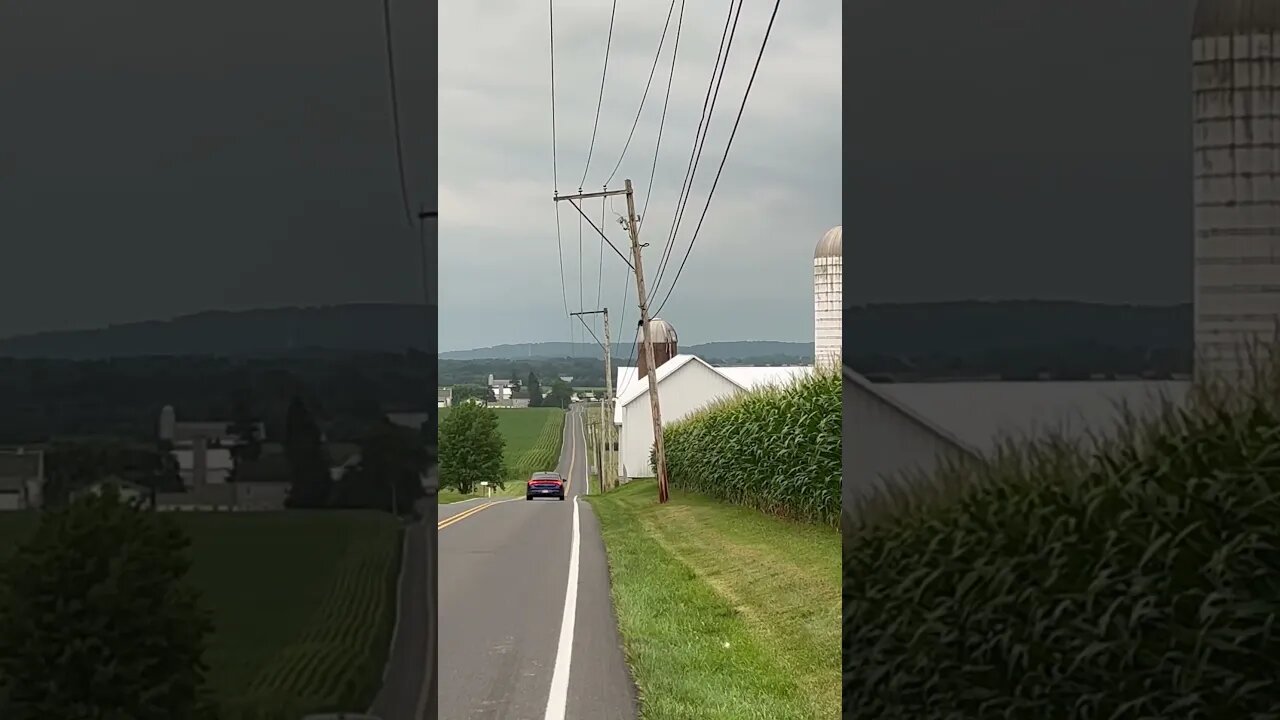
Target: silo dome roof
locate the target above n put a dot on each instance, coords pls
(829, 245)
(1217, 18)
(660, 331)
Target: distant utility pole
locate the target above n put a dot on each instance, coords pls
(633, 230)
(605, 431)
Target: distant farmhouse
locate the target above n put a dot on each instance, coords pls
(21, 478)
(203, 451)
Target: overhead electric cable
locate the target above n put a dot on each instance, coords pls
(725, 157)
(600, 101)
(395, 112)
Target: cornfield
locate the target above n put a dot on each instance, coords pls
(776, 449)
(1130, 577)
(545, 453)
(337, 663)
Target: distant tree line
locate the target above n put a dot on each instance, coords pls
(1080, 361)
(42, 400)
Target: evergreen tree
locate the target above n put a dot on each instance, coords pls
(535, 390)
(305, 449)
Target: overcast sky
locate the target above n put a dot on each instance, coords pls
(1018, 149)
(160, 158)
(749, 276)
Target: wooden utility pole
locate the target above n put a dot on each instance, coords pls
(633, 230)
(608, 389)
(608, 400)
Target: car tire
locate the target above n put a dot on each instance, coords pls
(528, 497)
(562, 497)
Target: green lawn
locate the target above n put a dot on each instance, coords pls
(725, 613)
(303, 603)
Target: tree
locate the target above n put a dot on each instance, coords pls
(470, 448)
(389, 476)
(535, 390)
(307, 458)
(462, 393)
(245, 429)
(99, 620)
(560, 396)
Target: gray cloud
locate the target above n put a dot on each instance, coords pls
(1019, 149)
(750, 274)
(160, 158)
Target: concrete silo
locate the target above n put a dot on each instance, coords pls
(828, 297)
(168, 423)
(665, 345)
(1235, 51)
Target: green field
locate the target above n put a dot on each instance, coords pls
(303, 605)
(533, 437)
(757, 632)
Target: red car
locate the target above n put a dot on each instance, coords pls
(544, 484)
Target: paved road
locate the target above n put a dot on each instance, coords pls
(406, 693)
(508, 649)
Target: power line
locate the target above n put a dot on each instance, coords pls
(656, 56)
(725, 157)
(555, 173)
(600, 101)
(648, 192)
(600, 269)
(395, 111)
(699, 139)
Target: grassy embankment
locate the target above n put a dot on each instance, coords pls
(303, 605)
(728, 612)
(533, 437)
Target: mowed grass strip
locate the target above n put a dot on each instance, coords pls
(725, 613)
(277, 584)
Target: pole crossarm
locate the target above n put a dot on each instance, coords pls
(600, 232)
(585, 196)
(588, 327)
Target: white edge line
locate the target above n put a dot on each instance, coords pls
(558, 700)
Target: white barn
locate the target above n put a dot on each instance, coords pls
(894, 428)
(686, 384)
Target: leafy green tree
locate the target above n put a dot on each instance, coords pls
(308, 462)
(389, 476)
(470, 448)
(98, 619)
(462, 393)
(560, 396)
(535, 390)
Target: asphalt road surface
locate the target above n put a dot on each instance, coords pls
(406, 691)
(527, 629)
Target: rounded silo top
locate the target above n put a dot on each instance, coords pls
(660, 331)
(829, 245)
(1223, 18)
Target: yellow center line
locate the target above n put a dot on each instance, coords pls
(467, 513)
(573, 458)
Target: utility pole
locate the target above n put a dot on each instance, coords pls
(633, 231)
(608, 389)
(608, 400)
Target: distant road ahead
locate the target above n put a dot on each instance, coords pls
(527, 630)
